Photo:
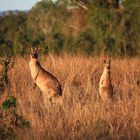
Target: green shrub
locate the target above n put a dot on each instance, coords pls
(56, 45)
(11, 102)
(8, 126)
(85, 42)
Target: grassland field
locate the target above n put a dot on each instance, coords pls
(82, 115)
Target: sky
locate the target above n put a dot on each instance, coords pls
(17, 4)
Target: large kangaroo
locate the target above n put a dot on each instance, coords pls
(47, 83)
(105, 86)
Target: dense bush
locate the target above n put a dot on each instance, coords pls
(110, 27)
(85, 42)
(8, 126)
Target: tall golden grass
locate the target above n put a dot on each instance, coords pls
(82, 115)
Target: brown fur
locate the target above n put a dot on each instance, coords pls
(105, 86)
(48, 84)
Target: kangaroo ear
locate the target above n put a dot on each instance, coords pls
(104, 61)
(32, 49)
(35, 49)
(39, 49)
(109, 60)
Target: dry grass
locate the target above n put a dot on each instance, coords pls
(82, 116)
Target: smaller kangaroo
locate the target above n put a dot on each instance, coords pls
(105, 86)
(47, 83)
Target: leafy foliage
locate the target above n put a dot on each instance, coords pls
(10, 120)
(7, 63)
(11, 102)
(110, 27)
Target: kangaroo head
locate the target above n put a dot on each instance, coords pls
(107, 64)
(34, 53)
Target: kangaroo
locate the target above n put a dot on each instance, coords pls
(46, 82)
(105, 86)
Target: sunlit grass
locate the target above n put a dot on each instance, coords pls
(82, 115)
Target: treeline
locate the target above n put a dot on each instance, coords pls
(72, 26)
